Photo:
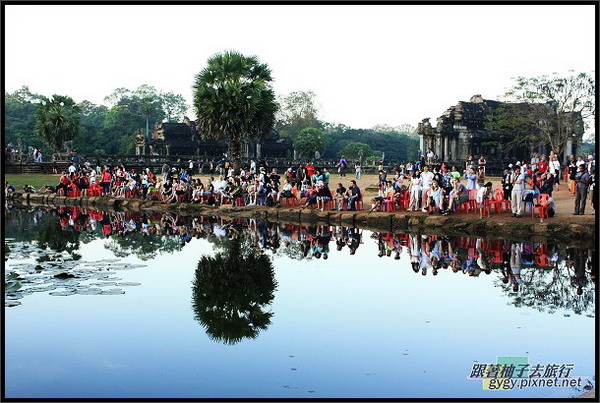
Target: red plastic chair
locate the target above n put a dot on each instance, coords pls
(499, 201)
(542, 198)
(291, 201)
(472, 199)
(389, 203)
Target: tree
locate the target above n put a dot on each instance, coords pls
(174, 106)
(297, 111)
(233, 100)
(230, 292)
(57, 120)
(19, 118)
(357, 150)
(562, 106)
(309, 141)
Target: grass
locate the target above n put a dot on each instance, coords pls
(35, 180)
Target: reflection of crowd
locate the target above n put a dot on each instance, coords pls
(426, 253)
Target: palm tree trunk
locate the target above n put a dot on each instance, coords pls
(235, 153)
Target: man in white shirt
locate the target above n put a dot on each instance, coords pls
(426, 180)
(219, 185)
(518, 181)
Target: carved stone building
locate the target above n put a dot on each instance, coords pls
(460, 131)
(184, 139)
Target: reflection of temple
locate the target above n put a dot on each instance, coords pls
(461, 132)
(184, 139)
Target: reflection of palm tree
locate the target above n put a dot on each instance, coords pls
(230, 291)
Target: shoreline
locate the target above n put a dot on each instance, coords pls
(571, 234)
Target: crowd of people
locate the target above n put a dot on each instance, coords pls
(426, 185)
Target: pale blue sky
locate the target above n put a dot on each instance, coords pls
(368, 64)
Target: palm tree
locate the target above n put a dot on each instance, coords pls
(233, 100)
(230, 292)
(57, 120)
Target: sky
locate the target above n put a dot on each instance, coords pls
(367, 64)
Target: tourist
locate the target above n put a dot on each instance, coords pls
(591, 164)
(383, 193)
(323, 195)
(358, 170)
(286, 190)
(506, 183)
(579, 161)
(554, 170)
(458, 196)
(535, 161)
(550, 206)
(572, 174)
(426, 181)
(518, 185)
(480, 177)
(340, 192)
(543, 164)
(64, 183)
(454, 172)
(435, 199)
(482, 162)
(415, 191)
(326, 175)
(381, 178)
(342, 164)
(353, 195)
(582, 181)
(469, 163)
(471, 177)
(310, 169)
(483, 197)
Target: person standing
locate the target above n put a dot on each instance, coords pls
(518, 184)
(582, 181)
(554, 169)
(358, 170)
(342, 166)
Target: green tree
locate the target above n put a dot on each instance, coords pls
(297, 111)
(309, 141)
(565, 105)
(20, 109)
(231, 291)
(515, 128)
(233, 100)
(356, 150)
(57, 120)
(174, 106)
(92, 139)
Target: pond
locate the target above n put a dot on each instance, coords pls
(145, 305)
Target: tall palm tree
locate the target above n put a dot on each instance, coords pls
(57, 120)
(231, 291)
(233, 100)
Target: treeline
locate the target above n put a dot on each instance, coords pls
(110, 129)
(102, 129)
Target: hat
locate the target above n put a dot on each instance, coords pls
(590, 157)
(510, 165)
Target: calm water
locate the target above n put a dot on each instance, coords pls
(168, 306)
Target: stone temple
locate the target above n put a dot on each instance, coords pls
(183, 139)
(460, 131)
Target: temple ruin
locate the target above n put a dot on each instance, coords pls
(460, 131)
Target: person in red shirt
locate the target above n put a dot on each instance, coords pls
(105, 183)
(310, 169)
(64, 183)
(543, 165)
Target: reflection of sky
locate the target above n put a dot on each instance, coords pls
(349, 326)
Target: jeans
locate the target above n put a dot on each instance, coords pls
(580, 200)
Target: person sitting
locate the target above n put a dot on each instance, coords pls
(383, 193)
(28, 189)
(352, 195)
(435, 199)
(323, 195)
(458, 196)
(340, 191)
(286, 190)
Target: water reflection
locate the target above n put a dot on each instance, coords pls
(546, 277)
(232, 289)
